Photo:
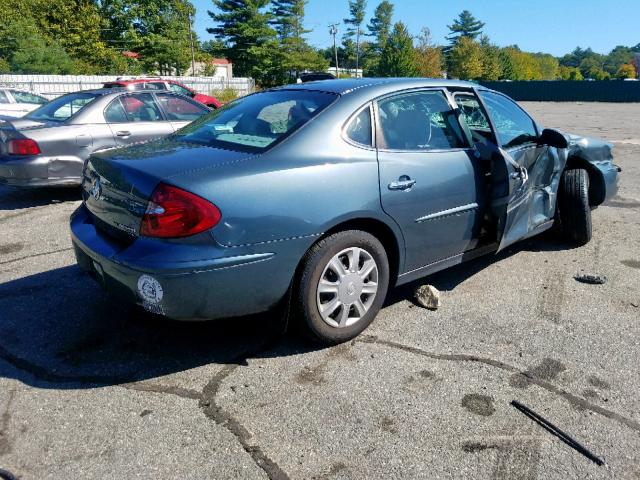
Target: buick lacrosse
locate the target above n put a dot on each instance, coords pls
(330, 192)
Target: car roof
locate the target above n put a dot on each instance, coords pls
(346, 86)
(141, 80)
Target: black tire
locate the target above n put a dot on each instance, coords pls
(304, 301)
(574, 210)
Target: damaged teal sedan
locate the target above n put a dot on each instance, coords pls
(328, 194)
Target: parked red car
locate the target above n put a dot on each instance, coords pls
(164, 84)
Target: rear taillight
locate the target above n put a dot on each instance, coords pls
(23, 146)
(173, 213)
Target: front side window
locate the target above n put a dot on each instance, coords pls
(419, 121)
(359, 128)
(62, 108)
(133, 107)
(3, 97)
(26, 97)
(513, 126)
(475, 117)
(256, 122)
(180, 109)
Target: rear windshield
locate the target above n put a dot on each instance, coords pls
(257, 122)
(62, 108)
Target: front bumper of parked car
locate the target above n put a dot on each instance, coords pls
(231, 282)
(40, 171)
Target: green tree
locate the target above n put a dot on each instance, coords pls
(26, 50)
(357, 10)
(491, 65)
(466, 25)
(465, 59)
(157, 29)
(548, 66)
(379, 28)
(570, 73)
(428, 57)
(243, 25)
(519, 65)
(398, 58)
(295, 55)
(627, 71)
(617, 58)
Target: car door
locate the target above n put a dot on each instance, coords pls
(180, 111)
(136, 117)
(430, 181)
(524, 191)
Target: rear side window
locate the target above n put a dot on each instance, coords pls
(180, 89)
(26, 97)
(359, 128)
(62, 108)
(115, 112)
(155, 86)
(514, 127)
(419, 121)
(256, 122)
(180, 109)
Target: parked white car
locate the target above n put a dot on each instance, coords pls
(16, 103)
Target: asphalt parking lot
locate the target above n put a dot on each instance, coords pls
(91, 389)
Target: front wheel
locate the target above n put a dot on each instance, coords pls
(342, 286)
(573, 206)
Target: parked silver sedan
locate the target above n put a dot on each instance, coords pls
(16, 103)
(48, 146)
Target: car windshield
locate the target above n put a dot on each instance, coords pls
(257, 122)
(62, 108)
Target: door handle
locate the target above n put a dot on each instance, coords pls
(403, 183)
(123, 133)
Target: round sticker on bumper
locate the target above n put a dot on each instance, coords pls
(150, 289)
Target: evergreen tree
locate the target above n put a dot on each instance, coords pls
(357, 10)
(288, 18)
(466, 25)
(295, 55)
(379, 28)
(398, 58)
(250, 41)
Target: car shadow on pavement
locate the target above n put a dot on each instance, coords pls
(59, 330)
(14, 198)
(449, 279)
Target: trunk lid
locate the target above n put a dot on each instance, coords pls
(117, 185)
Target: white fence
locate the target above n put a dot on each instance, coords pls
(52, 86)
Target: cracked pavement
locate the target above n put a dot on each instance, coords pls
(93, 389)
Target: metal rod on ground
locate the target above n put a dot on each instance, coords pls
(550, 427)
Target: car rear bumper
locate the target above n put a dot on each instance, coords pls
(40, 171)
(235, 282)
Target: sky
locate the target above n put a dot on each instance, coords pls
(550, 26)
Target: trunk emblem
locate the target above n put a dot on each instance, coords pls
(96, 189)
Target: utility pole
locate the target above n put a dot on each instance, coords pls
(193, 54)
(333, 30)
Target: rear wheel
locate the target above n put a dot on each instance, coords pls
(574, 210)
(342, 286)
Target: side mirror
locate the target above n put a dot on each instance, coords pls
(553, 138)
